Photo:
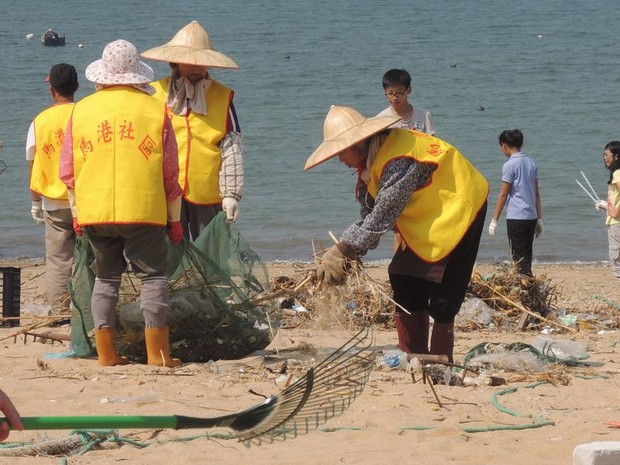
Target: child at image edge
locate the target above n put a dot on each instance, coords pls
(612, 205)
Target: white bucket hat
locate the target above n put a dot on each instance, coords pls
(343, 128)
(191, 46)
(119, 64)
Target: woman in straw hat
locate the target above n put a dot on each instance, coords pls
(119, 162)
(202, 110)
(428, 192)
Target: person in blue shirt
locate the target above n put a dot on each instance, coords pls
(520, 193)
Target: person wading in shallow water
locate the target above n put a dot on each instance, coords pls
(433, 196)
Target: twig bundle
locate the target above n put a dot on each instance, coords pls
(512, 294)
(358, 299)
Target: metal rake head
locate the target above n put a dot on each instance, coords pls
(324, 392)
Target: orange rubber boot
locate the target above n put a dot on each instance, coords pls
(158, 348)
(106, 352)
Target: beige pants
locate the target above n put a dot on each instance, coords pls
(59, 245)
(613, 236)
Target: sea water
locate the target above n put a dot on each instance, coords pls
(547, 67)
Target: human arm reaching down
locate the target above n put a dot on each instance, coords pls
(400, 179)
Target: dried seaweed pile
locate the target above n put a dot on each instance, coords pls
(515, 298)
(360, 299)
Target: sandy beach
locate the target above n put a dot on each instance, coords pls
(526, 421)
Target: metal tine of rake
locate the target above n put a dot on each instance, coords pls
(590, 185)
(326, 391)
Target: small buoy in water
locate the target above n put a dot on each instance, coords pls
(29, 36)
(80, 45)
(540, 36)
(481, 108)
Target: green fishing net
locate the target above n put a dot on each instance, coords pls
(218, 308)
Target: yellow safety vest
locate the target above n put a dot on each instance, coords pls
(198, 139)
(439, 213)
(117, 136)
(49, 133)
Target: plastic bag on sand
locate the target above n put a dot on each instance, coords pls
(501, 359)
(562, 349)
(475, 310)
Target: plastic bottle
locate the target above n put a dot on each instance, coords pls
(395, 359)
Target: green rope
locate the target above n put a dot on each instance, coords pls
(606, 300)
(592, 377)
(517, 347)
(415, 428)
(538, 422)
(341, 428)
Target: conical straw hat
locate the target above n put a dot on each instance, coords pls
(343, 128)
(191, 46)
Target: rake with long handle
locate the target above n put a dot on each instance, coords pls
(324, 392)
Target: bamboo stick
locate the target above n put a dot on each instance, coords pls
(33, 326)
(523, 309)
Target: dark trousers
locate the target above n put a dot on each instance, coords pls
(443, 300)
(195, 218)
(521, 240)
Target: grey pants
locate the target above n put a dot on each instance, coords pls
(145, 248)
(59, 246)
(613, 236)
(154, 302)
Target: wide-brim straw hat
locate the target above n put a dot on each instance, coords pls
(343, 128)
(119, 65)
(191, 46)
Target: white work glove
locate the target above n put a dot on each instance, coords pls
(230, 205)
(37, 212)
(540, 228)
(492, 227)
(600, 205)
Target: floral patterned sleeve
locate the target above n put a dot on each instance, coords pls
(400, 179)
(66, 172)
(170, 162)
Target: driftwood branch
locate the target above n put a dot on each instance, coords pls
(29, 328)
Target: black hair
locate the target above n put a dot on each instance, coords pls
(614, 148)
(512, 138)
(396, 77)
(67, 90)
